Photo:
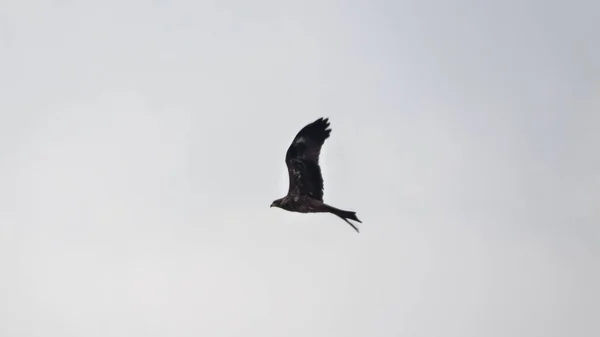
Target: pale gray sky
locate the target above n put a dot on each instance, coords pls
(141, 144)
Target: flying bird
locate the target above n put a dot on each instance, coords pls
(305, 192)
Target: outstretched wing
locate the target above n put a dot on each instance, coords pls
(302, 160)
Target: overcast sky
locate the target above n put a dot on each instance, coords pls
(142, 142)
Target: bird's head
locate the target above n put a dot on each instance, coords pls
(276, 203)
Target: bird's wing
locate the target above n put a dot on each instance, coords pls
(302, 160)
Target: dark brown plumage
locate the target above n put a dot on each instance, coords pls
(305, 192)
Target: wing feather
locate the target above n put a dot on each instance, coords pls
(302, 159)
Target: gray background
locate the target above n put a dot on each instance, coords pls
(141, 144)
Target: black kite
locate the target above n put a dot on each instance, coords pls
(305, 193)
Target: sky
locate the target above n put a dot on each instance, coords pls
(142, 142)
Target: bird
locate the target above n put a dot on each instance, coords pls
(305, 191)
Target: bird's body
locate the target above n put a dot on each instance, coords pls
(305, 192)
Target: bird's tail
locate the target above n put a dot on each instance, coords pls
(344, 215)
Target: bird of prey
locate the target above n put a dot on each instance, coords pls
(305, 192)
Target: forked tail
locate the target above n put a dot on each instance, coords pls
(344, 215)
